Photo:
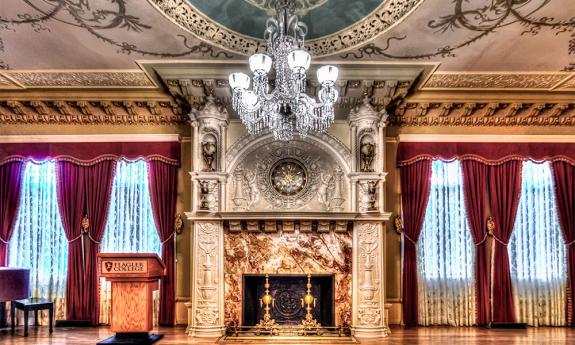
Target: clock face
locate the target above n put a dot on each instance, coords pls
(288, 177)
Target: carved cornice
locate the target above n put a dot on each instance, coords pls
(504, 113)
(85, 112)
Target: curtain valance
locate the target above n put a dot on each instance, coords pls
(89, 153)
(489, 153)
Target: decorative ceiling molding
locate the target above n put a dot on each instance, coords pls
(97, 112)
(134, 79)
(387, 15)
(536, 81)
(496, 113)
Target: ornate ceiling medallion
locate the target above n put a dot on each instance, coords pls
(357, 32)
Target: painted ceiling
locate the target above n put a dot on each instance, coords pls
(478, 37)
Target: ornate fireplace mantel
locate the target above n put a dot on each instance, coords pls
(302, 199)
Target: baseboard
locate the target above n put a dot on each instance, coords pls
(508, 325)
(73, 323)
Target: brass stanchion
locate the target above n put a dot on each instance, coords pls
(267, 324)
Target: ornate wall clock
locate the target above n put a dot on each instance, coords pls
(288, 177)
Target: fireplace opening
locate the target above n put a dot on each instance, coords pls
(287, 291)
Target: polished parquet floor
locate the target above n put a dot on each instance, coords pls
(419, 335)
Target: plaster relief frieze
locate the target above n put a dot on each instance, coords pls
(43, 79)
(536, 81)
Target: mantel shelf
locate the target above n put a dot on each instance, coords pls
(349, 216)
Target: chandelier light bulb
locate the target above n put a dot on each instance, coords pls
(299, 59)
(260, 63)
(239, 81)
(327, 74)
(249, 99)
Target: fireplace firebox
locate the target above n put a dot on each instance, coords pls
(287, 291)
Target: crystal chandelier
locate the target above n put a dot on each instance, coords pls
(287, 109)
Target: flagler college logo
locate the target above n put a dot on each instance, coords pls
(124, 266)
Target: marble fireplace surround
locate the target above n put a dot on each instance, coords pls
(220, 257)
(287, 253)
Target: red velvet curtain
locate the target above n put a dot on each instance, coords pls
(564, 176)
(475, 190)
(163, 192)
(504, 193)
(415, 187)
(71, 201)
(10, 191)
(98, 184)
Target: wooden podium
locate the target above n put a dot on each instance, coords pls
(134, 277)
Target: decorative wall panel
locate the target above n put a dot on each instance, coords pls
(294, 253)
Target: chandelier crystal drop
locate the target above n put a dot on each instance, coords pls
(287, 109)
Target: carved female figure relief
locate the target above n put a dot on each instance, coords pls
(209, 151)
(366, 155)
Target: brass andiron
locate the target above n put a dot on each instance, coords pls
(267, 324)
(309, 324)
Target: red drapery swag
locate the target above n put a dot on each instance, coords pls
(415, 187)
(10, 191)
(475, 191)
(71, 200)
(504, 192)
(564, 176)
(99, 179)
(163, 180)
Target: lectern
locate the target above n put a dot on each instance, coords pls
(134, 278)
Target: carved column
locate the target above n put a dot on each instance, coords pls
(368, 315)
(206, 310)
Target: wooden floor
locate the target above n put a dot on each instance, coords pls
(420, 335)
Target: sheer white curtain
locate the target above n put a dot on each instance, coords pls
(39, 241)
(130, 226)
(445, 253)
(537, 252)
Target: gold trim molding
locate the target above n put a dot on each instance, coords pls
(94, 79)
(429, 114)
(485, 138)
(84, 112)
(509, 81)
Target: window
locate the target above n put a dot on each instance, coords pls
(537, 252)
(445, 253)
(130, 226)
(38, 241)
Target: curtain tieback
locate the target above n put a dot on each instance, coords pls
(410, 239)
(75, 238)
(483, 240)
(568, 244)
(92, 239)
(498, 240)
(169, 237)
(3, 241)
